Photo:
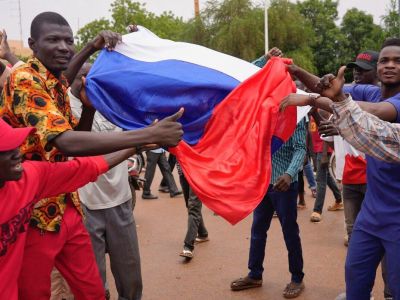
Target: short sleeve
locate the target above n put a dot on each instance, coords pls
(363, 92)
(395, 101)
(33, 106)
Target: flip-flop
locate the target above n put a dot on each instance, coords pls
(293, 290)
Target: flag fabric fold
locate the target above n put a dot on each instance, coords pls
(231, 112)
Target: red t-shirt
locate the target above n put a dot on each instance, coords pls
(355, 170)
(17, 198)
(316, 139)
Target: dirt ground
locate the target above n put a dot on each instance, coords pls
(161, 226)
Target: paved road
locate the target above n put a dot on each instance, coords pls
(166, 276)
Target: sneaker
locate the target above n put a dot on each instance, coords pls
(201, 239)
(315, 217)
(149, 196)
(336, 206)
(187, 253)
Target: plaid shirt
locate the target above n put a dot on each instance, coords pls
(366, 132)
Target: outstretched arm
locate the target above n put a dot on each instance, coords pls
(366, 132)
(331, 88)
(167, 132)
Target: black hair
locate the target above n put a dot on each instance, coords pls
(391, 42)
(48, 17)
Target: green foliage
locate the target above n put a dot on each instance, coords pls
(360, 34)
(392, 20)
(322, 14)
(292, 33)
(305, 31)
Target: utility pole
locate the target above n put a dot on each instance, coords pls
(20, 23)
(197, 8)
(267, 4)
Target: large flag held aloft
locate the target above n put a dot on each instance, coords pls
(231, 116)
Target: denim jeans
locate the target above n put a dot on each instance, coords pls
(308, 171)
(285, 205)
(324, 178)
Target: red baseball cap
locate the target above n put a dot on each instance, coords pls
(12, 138)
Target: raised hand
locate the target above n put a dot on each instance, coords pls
(107, 39)
(274, 52)
(168, 132)
(5, 51)
(332, 86)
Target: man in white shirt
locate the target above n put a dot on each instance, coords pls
(108, 213)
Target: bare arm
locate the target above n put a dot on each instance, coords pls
(107, 39)
(5, 51)
(167, 132)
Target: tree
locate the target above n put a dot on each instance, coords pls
(392, 20)
(125, 12)
(360, 34)
(291, 32)
(322, 14)
(235, 26)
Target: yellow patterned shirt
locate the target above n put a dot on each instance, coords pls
(32, 96)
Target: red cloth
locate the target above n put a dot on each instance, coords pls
(355, 170)
(17, 198)
(70, 251)
(230, 168)
(318, 143)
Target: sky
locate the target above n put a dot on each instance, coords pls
(80, 12)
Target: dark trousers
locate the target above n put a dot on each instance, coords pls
(324, 178)
(154, 159)
(172, 163)
(353, 197)
(363, 257)
(285, 205)
(196, 225)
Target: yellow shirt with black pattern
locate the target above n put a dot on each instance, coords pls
(33, 96)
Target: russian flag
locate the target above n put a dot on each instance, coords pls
(231, 120)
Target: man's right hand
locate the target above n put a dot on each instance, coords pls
(168, 132)
(332, 86)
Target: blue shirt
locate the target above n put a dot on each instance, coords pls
(380, 213)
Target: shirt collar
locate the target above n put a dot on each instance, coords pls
(50, 80)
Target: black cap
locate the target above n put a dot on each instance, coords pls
(366, 60)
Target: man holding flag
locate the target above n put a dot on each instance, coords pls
(282, 198)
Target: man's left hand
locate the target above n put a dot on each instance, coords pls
(283, 183)
(326, 128)
(107, 39)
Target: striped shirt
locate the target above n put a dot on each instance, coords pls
(367, 133)
(290, 157)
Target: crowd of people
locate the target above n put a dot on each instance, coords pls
(47, 248)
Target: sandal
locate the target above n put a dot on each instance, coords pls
(245, 283)
(293, 290)
(315, 217)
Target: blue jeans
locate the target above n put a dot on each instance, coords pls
(285, 205)
(308, 171)
(324, 178)
(363, 257)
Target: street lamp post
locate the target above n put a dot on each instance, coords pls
(267, 4)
